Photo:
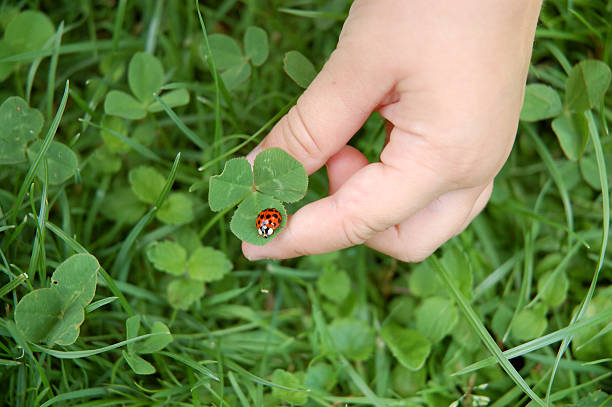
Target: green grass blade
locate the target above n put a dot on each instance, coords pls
(135, 145)
(182, 126)
(11, 285)
(263, 128)
(43, 150)
(53, 68)
(118, 24)
(360, 383)
(554, 173)
(243, 400)
(38, 259)
(478, 327)
(192, 364)
(313, 14)
(153, 31)
(540, 342)
(496, 276)
(75, 48)
(605, 198)
(169, 182)
(77, 354)
(122, 262)
(215, 74)
(77, 394)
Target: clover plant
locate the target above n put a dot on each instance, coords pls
(275, 177)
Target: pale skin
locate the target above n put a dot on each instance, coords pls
(449, 77)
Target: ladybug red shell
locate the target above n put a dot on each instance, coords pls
(268, 221)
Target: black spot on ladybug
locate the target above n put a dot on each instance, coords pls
(268, 216)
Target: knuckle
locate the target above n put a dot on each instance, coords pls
(356, 228)
(299, 137)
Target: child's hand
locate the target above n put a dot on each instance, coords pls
(449, 77)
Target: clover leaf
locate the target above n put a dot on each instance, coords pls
(55, 314)
(279, 175)
(61, 161)
(145, 78)
(299, 68)
(232, 185)
(409, 347)
(235, 66)
(244, 221)
(586, 84)
(276, 177)
(150, 345)
(20, 124)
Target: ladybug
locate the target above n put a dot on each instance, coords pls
(268, 221)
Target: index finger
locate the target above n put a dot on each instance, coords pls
(330, 111)
(375, 198)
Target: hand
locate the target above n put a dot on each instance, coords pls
(449, 78)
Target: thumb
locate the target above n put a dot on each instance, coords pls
(335, 105)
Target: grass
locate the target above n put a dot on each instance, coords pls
(279, 333)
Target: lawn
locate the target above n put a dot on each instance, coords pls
(122, 280)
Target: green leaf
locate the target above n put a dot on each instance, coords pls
(244, 221)
(352, 338)
(236, 75)
(147, 183)
(20, 124)
(177, 209)
(122, 205)
(28, 31)
(132, 325)
(287, 379)
(61, 161)
(66, 331)
(423, 282)
(229, 187)
(321, 376)
(225, 50)
(278, 174)
(6, 68)
(590, 170)
(37, 312)
(174, 98)
(529, 323)
(105, 161)
(168, 256)
(572, 133)
(553, 288)
(75, 279)
(138, 364)
(183, 292)
(586, 84)
(155, 343)
(407, 382)
(436, 317)
(596, 399)
(541, 102)
(299, 68)
(145, 76)
(409, 347)
(334, 284)
(256, 45)
(460, 269)
(207, 264)
(118, 103)
(114, 143)
(55, 314)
